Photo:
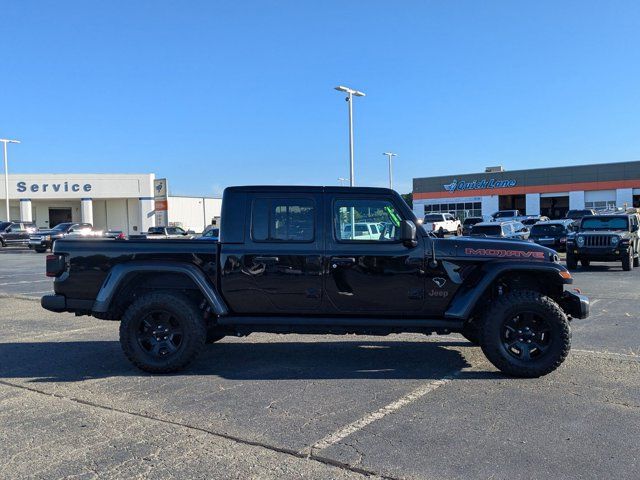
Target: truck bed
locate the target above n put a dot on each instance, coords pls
(91, 259)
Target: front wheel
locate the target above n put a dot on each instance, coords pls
(585, 263)
(458, 231)
(627, 260)
(525, 334)
(162, 332)
(572, 262)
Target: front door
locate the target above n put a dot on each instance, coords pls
(278, 268)
(369, 270)
(14, 234)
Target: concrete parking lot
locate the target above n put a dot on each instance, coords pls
(269, 406)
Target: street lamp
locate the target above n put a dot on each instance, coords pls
(350, 94)
(342, 180)
(390, 155)
(6, 173)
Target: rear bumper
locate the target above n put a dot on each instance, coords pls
(54, 303)
(60, 303)
(575, 304)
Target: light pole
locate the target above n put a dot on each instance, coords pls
(342, 180)
(350, 94)
(390, 155)
(6, 174)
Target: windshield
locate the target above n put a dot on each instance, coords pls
(573, 214)
(62, 226)
(433, 218)
(471, 221)
(155, 230)
(486, 230)
(508, 213)
(548, 229)
(605, 223)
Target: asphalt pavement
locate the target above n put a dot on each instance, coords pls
(293, 406)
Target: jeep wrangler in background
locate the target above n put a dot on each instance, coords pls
(285, 263)
(605, 238)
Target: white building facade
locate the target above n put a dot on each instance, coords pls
(107, 201)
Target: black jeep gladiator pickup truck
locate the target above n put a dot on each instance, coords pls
(286, 262)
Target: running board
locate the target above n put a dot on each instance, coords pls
(393, 323)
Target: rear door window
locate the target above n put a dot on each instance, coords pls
(283, 220)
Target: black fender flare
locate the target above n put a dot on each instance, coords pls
(466, 298)
(120, 272)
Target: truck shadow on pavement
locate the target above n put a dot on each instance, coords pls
(236, 360)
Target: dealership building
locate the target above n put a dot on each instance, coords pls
(108, 201)
(540, 191)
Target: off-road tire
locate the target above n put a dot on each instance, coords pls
(458, 231)
(191, 323)
(585, 262)
(627, 260)
(636, 261)
(572, 262)
(508, 307)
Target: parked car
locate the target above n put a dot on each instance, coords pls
(470, 222)
(530, 220)
(442, 223)
(363, 231)
(16, 233)
(163, 233)
(211, 234)
(605, 238)
(115, 234)
(506, 215)
(552, 234)
(44, 239)
(501, 229)
(285, 265)
(577, 215)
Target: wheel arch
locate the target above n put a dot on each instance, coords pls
(124, 279)
(541, 277)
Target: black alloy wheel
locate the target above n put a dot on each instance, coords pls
(526, 336)
(159, 334)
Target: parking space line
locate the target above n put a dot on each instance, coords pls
(351, 428)
(631, 356)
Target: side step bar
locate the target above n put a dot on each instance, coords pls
(393, 323)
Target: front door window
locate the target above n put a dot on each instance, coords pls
(362, 220)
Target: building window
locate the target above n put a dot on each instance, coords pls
(458, 210)
(601, 205)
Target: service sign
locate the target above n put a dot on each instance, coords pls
(161, 205)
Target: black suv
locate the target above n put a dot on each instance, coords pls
(16, 233)
(605, 238)
(552, 234)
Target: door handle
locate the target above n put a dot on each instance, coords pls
(342, 261)
(266, 260)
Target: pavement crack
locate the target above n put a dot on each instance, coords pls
(225, 436)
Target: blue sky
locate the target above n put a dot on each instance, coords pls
(211, 94)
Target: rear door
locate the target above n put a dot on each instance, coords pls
(278, 269)
(14, 234)
(375, 276)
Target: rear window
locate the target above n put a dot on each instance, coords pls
(283, 220)
(486, 230)
(548, 229)
(433, 218)
(508, 213)
(471, 221)
(156, 230)
(573, 214)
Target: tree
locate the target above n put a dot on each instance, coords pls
(408, 197)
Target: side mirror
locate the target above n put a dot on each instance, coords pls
(408, 233)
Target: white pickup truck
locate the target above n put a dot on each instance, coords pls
(442, 223)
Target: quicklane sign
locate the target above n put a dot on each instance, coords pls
(484, 184)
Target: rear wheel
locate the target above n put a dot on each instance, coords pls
(162, 332)
(572, 262)
(627, 260)
(458, 231)
(525, 334)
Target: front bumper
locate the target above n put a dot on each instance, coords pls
(575, 304)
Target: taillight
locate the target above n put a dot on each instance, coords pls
(56, 265)
(433, 226)
(121, 236)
